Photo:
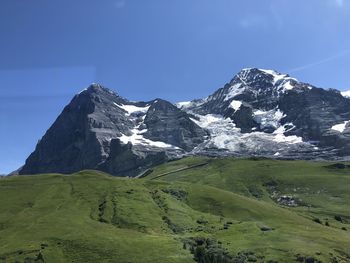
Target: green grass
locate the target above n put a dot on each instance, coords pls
(93, 217)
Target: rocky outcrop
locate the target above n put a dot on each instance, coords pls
(167, 123)
(124, 160)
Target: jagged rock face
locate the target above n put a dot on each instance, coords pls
(68, 145)
(269, 113)
(122, 160)
(180, 131)
(259, 112)
(314, 112)
(100, 130)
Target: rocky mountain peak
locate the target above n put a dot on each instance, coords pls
(99, 129)
(252, 87)
(264, 109)
(97, 88)
(99, 93)
(262, 81)
(259, 112)
(250, 75)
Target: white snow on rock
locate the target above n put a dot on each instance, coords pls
(235, 90)
(282, 82)
(276, 76)
(340, 127)
(225, 135)
(280, 137)
(136, 138)
(235, 104)
(346, 94)
(223, 131)
(183, 104)
(205, 121)
(268, 118)
(287, 86)
(132, 108)
(82, 91)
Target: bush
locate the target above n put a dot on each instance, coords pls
(317, 220)
(202, 221)
(338, 218)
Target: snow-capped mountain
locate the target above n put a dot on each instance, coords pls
(269, 113)
(259, 112)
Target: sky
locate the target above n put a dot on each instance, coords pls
(144, 49)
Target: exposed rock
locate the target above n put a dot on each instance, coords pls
(287, 201)
(258, 113)
(169, 124)
(99, 129)
(274, 115)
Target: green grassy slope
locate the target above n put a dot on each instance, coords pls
(224, 211)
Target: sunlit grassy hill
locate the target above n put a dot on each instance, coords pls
(193, 209)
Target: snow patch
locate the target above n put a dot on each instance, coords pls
(225, 135)
(345, 94)
(340, 127)
(280, 137)
(235, 90)
(276, 76)
(288, 86)
(132, 108)
(223, 132)
(206, 120)
(190, 104)
(136, 138)
(268, 118)
(183, 104)
(235, 104)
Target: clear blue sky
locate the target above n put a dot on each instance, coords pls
(143, 49)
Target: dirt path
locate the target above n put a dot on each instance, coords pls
(179, 170)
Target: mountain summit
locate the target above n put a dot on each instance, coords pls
(259, 112)
(99, 129)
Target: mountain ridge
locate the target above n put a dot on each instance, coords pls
(259, 112)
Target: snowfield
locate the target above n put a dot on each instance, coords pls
(340, 127)
(225, 135)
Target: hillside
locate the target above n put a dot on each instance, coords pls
(197, 208)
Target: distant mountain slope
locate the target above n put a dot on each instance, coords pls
(259, 112)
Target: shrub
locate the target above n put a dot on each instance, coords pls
(317, 220)
(338, 218)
